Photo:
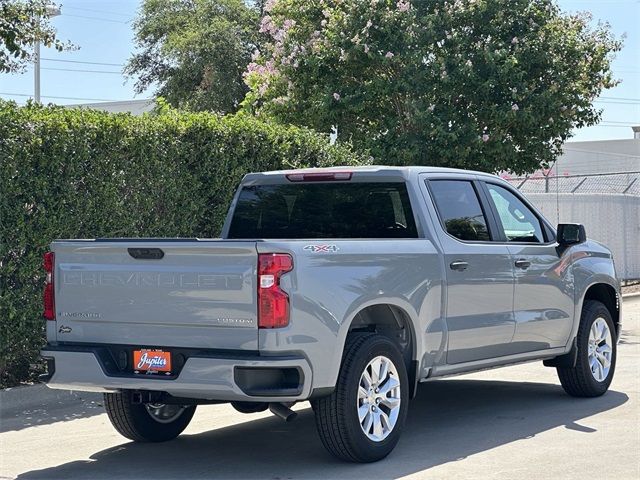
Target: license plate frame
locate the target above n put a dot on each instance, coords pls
(152, 361)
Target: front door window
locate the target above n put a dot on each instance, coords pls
(519, 223)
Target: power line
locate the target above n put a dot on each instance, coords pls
(97, 18)
(85, 63)
(621, 98)
(613, 102)
(60, 98)
(113, 72)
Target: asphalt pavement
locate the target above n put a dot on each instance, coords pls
(509, 423)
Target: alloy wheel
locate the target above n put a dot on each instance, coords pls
(379, 398)
(600, 349)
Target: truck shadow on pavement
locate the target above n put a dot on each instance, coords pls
(447, 422)
(36, 405)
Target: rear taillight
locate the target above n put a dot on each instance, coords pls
(49, 298)
(273, 302)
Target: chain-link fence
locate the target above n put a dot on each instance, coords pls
(624, 182)
(607, 204)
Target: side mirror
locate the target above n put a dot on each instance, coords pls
(571, 233)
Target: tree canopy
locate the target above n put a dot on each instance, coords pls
(22, 24)
(195, 51)
(485, 84)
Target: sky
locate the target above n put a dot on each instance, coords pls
(103, 31)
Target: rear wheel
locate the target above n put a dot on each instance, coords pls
(149, 422)
(597, 351)
(362, 419)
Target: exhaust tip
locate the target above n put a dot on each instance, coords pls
(283, 411)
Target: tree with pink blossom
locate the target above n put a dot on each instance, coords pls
(486, 84)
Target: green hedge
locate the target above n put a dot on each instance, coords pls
(69, 173)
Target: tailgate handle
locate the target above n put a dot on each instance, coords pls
(146, 253)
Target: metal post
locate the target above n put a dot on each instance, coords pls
(579, 184)
(36, 69)
(51, 11)
(630, 185)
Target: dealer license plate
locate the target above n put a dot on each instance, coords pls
(151, 361)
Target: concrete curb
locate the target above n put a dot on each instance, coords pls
(630, 295)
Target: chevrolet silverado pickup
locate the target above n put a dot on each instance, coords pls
(346, 287)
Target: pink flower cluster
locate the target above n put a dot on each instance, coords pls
(267, 25)
(403, 5)
(263, 70)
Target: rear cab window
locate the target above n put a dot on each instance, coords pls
(323, 210)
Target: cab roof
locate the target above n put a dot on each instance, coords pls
(361, 172)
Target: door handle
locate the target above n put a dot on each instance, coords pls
(522, 263)
(458, 265)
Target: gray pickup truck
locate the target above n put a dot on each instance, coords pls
(345, 287)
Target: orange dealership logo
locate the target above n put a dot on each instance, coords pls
(152, 360)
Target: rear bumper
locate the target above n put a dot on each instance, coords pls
(207, 377)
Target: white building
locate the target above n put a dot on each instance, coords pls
(135, 107)
(599, 156)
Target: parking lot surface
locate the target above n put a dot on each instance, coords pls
(507, 423)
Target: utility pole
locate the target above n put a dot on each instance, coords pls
(51, 12)
(36, 70)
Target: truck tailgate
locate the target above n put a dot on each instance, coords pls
(199, 294)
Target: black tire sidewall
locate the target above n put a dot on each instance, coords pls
(133, 420)
(366, 449)
(593, 311)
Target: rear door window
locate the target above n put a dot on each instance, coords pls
(324, 210)
(459, 209)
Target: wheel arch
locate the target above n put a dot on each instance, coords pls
(395, 321)
(608, 295)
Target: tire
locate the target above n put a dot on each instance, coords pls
(580, 381)
(337, 415)
(137, 423)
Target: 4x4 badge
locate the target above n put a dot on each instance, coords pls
(64, 329)
(321, 248)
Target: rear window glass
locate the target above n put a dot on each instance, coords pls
(323, 210)
(460, 209)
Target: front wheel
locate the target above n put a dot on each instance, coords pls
(597, 351)
(148, 422)
(362, 419)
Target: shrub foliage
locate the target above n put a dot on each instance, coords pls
(84, 174)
